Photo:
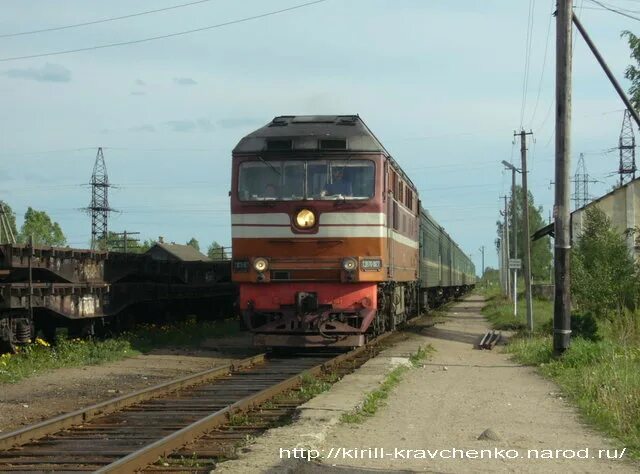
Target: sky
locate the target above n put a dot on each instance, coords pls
(440, 82)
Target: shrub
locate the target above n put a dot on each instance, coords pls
(604, 279)
(583, 325)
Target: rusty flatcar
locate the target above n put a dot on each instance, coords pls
(326, 234)
(92, 292)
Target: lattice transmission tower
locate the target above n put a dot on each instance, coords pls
(99, 207)
(581, 185)
(6, 232)
(627, 147)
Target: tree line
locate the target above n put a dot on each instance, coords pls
(46, 232)
(541, 263)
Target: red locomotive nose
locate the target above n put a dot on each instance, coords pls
(327, 235)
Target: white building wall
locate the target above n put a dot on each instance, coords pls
(621, 206)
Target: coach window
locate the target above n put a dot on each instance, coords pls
(409, 199)
(396, 217)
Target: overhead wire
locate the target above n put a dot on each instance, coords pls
(604, 9)
(169, 35)
(527, 56)
(104, 20)
(544, 63)
(551, 103)
(615, 10)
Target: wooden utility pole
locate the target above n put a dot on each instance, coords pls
(614, 82)
(526, 238)
(126, 239)
(561, 210)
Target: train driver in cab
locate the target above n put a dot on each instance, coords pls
(270, 191)
(339, 185)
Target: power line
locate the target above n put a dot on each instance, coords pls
(606, 7)
(552, 102)
(104, 20)
(528, 43)
(170, 35)
(544, 63)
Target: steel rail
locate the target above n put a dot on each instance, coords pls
(165, 446)
(78, 417)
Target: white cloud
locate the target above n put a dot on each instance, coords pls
(184, 81)
(47, 73)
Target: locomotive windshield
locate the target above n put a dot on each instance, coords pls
(294, 180)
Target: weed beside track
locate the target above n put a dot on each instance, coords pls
(40, 356)
(599, 373)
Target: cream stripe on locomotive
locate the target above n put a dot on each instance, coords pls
(329, 218)
(403, 239)
(246, 231)
(338, 231)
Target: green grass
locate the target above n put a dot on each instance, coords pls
(374, 400)
(183, 334)
(602, 378)
(40, 357)
(499, 312)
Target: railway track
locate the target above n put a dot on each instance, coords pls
(204, 417)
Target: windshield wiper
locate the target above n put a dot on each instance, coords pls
(269, 165)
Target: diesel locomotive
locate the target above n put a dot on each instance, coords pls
(331, 245)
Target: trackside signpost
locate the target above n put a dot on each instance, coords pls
(515, 264)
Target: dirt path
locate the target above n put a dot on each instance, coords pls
(455, 397)
(64, 390)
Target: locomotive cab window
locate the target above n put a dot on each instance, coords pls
(294, 180)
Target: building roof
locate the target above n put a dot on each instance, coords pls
(312, 133)
(186, 253)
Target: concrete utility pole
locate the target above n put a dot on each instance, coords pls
(505, 248)
(498, 243)
(526, 238)
(514, 231)
(482, 250)
(561, 210)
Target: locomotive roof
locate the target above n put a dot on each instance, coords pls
(312, 133)
(319, 133)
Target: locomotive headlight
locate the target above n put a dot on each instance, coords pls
(305, 219)
(260, 264)
(349, 264)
